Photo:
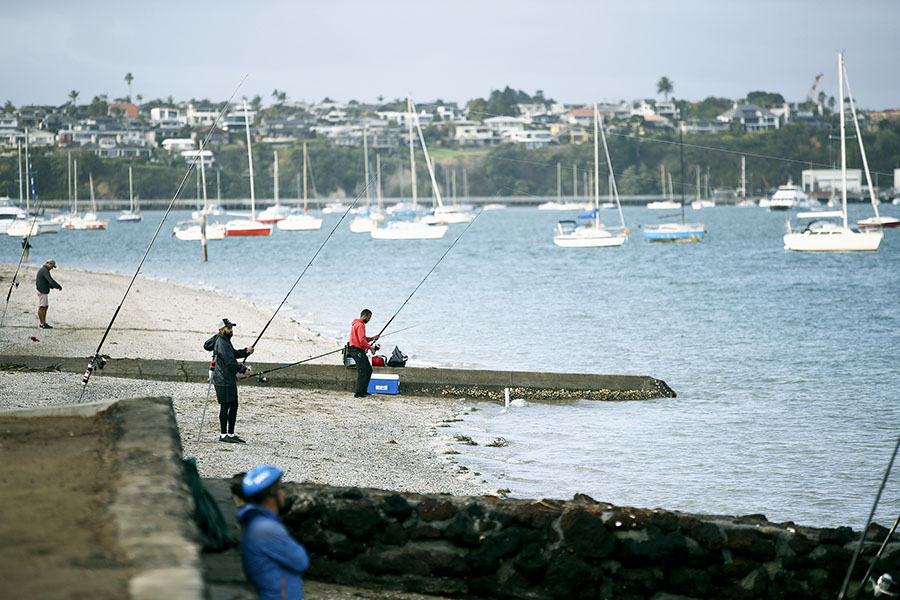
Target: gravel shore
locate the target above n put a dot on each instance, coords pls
(388, 442)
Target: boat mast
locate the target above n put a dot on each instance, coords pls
(412, 152)
(612, 175)
(743, 179)
(596, 168)
(698, 183)
(131, 190)
(559, 181)
(681, 144)
(19, 152)
(250, 162)
(93, 200)
(304, 176)
(575, 183)
(428, 163)
(275, 191)
(75, 188)
(378, 193)
(205, 214)
(368, 187)
(862, 149)
(69, 176)
(27, 173)
(843, 139)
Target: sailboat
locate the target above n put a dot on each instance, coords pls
(368, 217)
(30, 225)
(594, 234)
(89, 221)
(131, 215)
(277, 212)
(299, 219)
(251, 226)
(193, 231)
(700, 202)
(415, 229)
(665, 204)
(828, 231)
(676, 232)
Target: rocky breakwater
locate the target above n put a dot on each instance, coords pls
(505, 548)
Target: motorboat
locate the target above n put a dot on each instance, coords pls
(882, 221)
(675, 232)
(335, 207)
(9, 213)
(787, 197)
(701, 204)
(449, 215)
(494, 206)
(297, 220)
(594, 234)
(190, 231)
(274, 214)
(408, 230)
(663, 205)
(828, 231)
(31, 226)
(554, 205)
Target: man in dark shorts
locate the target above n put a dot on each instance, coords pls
(225, 378)
(359, 343)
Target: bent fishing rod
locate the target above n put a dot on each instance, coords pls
(98, 361)
(447, 251)
(305, 360)
(322, 245)
(25, 245)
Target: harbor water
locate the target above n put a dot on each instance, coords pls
(785, 364)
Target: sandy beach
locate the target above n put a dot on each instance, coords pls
(388, 442)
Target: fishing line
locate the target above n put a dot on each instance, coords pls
(341, 220)
(25, 244)
(862, 536)
(431, 271)
(96, 359)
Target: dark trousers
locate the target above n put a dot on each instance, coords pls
(228, 406)
(363, 369)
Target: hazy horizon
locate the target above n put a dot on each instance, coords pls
(576, 51)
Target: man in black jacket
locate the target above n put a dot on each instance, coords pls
(225, 377)
(44, 283)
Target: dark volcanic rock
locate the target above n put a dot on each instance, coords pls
(586, 534)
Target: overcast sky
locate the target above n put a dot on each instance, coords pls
(574, 50)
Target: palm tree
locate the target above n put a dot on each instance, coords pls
(73, 97)
(664, 86)
(128, 79)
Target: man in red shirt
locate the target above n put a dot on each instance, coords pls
(359, 343)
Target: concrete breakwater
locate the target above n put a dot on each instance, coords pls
(450, 383)
(492, 547)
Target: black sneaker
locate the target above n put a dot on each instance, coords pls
(238, 440)
(46, 326)
(226, 439)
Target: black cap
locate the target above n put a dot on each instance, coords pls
(226, 323)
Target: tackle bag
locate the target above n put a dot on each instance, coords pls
(397, 359)
(379, 360)
(346, 359)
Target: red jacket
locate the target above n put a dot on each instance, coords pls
(358, 337)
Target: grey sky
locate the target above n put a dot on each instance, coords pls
(574, 50)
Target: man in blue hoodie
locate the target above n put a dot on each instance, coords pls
(273, 560)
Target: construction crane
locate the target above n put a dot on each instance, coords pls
(812, 89)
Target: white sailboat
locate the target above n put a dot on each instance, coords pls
(828, 231)
(277, 212)
(594, 234)
(248, 227)
(34, 224)
(675, 232)
(90, 220)
(200, 228)
(300, 219)
(668, 204)
(368, 217)
(415, 229)
(131, 215)
(700, 202)
(8, 211)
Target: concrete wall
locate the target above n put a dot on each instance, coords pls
(500, 548)
(453, 383)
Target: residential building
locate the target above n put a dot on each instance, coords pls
(668, 110)
(530, 138)
(574, 134)
(166, 113)
(109, 147)
(704, 126)
(476, 135)
(503, 124)
(236, 117)
(219, 136)
(751, 117)
(128, 110)
(178, 144)
(201, 114)
(205, 156)
(8, 121)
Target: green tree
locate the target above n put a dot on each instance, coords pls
(9, 107)
(128, 79)
(765, 99)
(477, 109)
(710, 108)
(664, 86)
(98, 107)
(256, 102)
(505, 103)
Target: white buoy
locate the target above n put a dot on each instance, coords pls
(506, 397)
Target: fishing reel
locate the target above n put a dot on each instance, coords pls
(376, 347)
(261, 378)
(102, 359)
(886, 587)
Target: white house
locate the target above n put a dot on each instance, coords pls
(178, 144)
(8, 121)
(206, 156)
(201, 114)
(503, 123)
(750, 117)
(530, 138)
(234, 119)
(476, 135)
(166, 113)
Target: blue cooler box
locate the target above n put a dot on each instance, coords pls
(384, 383)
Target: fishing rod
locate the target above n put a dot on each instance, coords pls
(430, 272)
(322, 245)
(875, 558)
(25, 245)
(862, 536)
(98, 361)
(299, 362)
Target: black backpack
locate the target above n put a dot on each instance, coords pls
(397, 359)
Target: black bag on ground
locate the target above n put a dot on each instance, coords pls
(397, 359)
(209, 519)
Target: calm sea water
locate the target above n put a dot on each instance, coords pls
(785, 364)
